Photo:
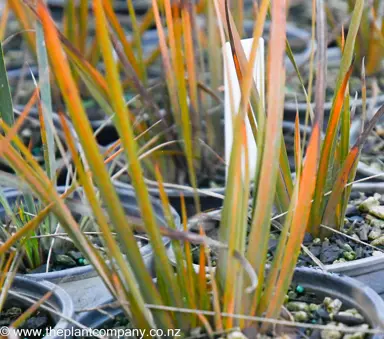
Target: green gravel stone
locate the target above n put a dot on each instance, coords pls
(313, 307)
(367, 204)
(373, 221)
(378, 242)
(286, 298)
(349, 255)
(377, 211)
(375, 233)
(331, 334)
(334, 307)
(65, 260)
(296, 306)
(300, 316)
(327, 301)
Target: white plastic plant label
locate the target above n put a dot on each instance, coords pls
(233, 97)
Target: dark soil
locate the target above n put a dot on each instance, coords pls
(364, 222)
(64, 256)
(38, 320)
(61, 262)
(119, 322)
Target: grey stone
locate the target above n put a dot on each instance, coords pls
(330, 253)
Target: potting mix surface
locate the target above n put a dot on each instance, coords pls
(38, 320)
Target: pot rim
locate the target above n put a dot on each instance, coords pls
(59, 300)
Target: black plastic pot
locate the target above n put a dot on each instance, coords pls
(369, 187)
(290, 108)
(96, 319)
(59, 301)
(129, 202)
(351, 292)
